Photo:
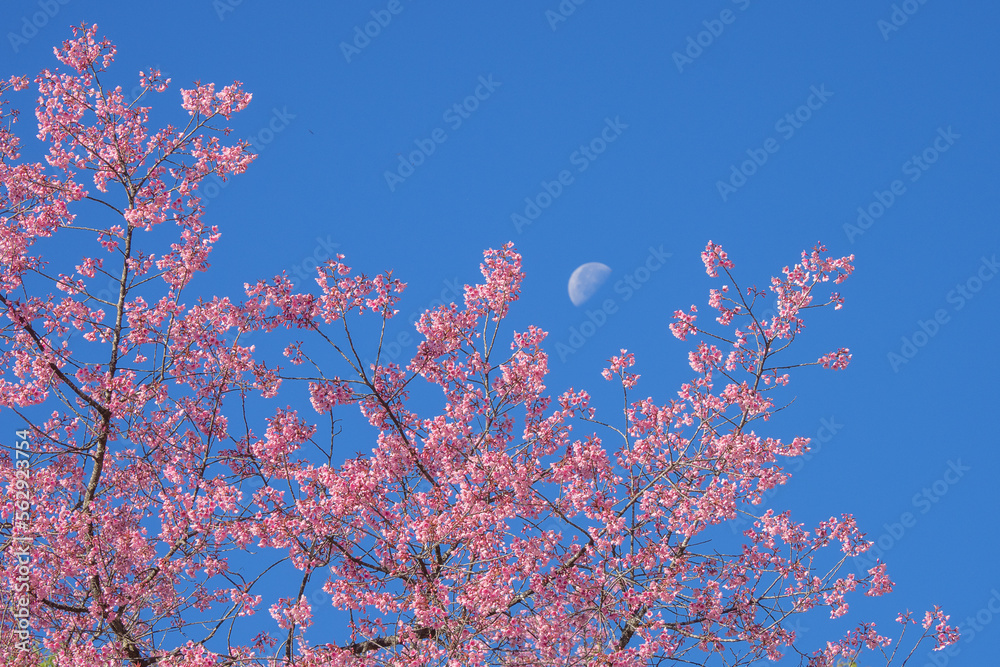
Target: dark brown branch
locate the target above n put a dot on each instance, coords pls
(360, 648)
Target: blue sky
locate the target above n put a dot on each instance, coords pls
(632, 118)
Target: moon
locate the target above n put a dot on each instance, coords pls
(585, 281)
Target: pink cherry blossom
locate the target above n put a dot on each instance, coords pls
(481, 520)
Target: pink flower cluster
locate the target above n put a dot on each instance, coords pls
(483, 521)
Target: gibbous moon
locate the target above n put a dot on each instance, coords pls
(585, 281)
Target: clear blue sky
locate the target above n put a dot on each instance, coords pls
(902, 112)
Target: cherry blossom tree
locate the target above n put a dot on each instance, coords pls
(484, 522)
